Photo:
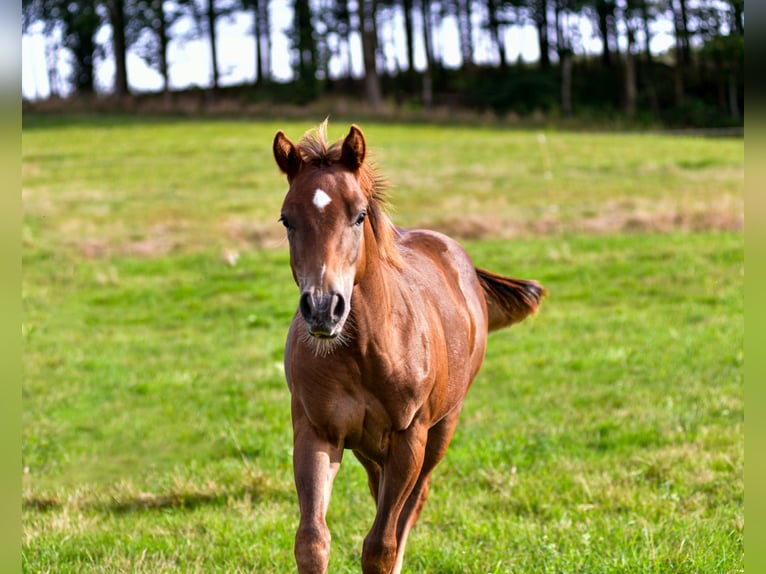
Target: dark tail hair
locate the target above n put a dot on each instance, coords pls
(509, 300)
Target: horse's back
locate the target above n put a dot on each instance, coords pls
(450, 282)
(421, 246)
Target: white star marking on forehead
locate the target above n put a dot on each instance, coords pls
(321, 199)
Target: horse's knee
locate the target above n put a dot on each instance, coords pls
(312, 549)
(378, 555)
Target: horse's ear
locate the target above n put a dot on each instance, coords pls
(354, 149)
(286, 154)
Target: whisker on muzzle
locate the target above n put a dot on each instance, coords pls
(323, 347)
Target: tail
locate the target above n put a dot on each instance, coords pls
(509, 300)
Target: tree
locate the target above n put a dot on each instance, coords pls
(629, 13)
(494, 25)
(463, 12)
(409, 35)
(368, 31)
(160, 25)
(606, 21)
(261, 37)
(680, 58)
(304, 51)
(80, 21)
(566, 36)
(425, 12)
(681, 19)
(648, 13)
(341, 16)
(540, 8)
(723, 51)
(148, 31)
(212, 16)
(207, 17)
(39, 11)
(116, 11)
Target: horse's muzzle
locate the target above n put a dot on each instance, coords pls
(323, 313)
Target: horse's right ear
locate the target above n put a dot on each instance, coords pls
(286, 155)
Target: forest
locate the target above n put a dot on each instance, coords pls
(698, 81)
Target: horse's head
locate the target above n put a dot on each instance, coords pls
(325, 213)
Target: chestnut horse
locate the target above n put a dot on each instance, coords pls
(390, 331)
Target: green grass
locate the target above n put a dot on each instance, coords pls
(604, 435)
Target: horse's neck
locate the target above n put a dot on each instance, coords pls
(383, 296)
(379, 288)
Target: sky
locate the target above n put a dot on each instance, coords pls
(190, 60)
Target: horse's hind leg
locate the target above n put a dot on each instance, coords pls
(373, 474)
(439, 438)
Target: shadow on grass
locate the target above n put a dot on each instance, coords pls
(144, 501)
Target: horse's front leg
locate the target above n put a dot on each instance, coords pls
(315, 463)
(400, 474)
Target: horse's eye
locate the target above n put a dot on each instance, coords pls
(360, 218)
(285, 222)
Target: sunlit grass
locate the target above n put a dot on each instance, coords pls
(103, 187)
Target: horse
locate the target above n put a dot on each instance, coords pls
(389, 333)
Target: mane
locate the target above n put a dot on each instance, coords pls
(316, 152)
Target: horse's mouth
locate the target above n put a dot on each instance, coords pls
(324, 336)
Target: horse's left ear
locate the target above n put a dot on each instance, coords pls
(354, 149)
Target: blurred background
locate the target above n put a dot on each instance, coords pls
(674, 63)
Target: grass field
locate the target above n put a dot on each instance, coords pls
(604, 435)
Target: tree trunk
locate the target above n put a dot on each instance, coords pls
(463, 8)
(409, 35)
(630, 76)
(306, 50)
(378, 40)
(565, 61)
(81, 22)
(261, 26)
(566, 82)
(264, 21)
(602, 11)
(211, 21)
(561, 44)
(647, 32)
(116, 10)
(257, 40)
(428, 96)
(648, 75)
(349, 33)
(366, 10)
(541, 21)
(164, 40)
(494, 31)
(51, 59)
(684, 23)
(678, 69)
(738, 24)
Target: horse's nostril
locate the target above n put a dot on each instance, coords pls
(305, 305)
(338, 307)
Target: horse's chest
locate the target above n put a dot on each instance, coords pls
(362, 410)
(351, 417)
